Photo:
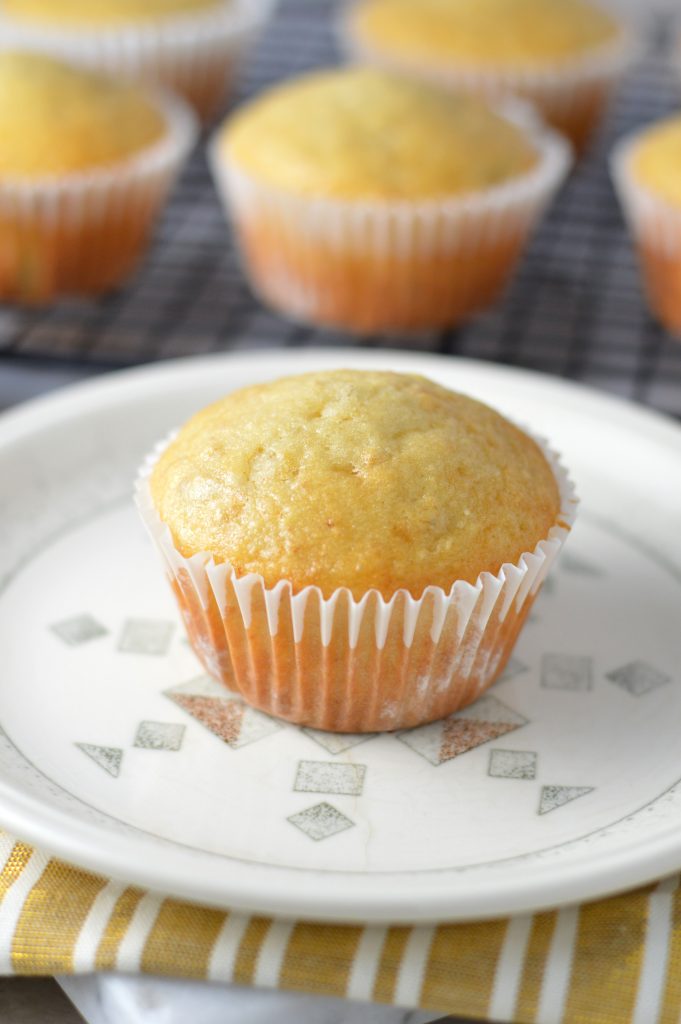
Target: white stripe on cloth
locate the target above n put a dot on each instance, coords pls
(223, 957)
(13, 904)
(509, 969)
(558, 967)
(271, 955)
(656, 952)
(414, 960)
(142, 921)
(93, 927)
(365, 965)
(7, 844)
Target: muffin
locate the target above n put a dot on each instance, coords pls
(85, 166)
(373, 202)
(193, 47)
(645, 169)
(354, 551)
(563, 55)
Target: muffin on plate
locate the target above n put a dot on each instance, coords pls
(193, 47)
(646, 172)
(372, 202)
(352, 550)
(86, 164)
(563, 55)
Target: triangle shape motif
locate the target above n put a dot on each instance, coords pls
(221, 717)
(108, 758)
(553, 797)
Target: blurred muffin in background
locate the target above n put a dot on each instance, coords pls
(193, 47)
(646, 169)
(563, 55)
(374, 202)
(85, 166)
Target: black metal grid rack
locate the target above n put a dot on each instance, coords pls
(575, 307)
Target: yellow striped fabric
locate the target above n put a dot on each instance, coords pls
(610, 962)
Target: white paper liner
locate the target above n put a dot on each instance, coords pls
(389, 265)
(350, 665)
(81, 233)
(567, 93)
(655, 224)
(197, 54)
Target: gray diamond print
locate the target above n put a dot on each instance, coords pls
(464, 730)
(159, 736)
(566, 672)
(145, 636)
(337, 742)
(321, 821)
(78, 630)
(572, 563)
(512, 764)
(108, 758)
(327, 777)
(514, 667)
(553, 797)
(638, 677)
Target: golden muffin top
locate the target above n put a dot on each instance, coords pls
(360, 133)
(86, 13)
(57, 119)
(656, 159)
(355, 479)
(502, 33)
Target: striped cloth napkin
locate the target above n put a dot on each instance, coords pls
(610, 962)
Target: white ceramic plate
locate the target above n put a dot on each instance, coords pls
(562, 783)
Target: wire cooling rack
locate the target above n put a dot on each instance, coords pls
(574, 309)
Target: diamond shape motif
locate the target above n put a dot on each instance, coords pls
(514, 667)
(338, 742)
(159, 736)
(221, 712)
(553, 797)
(79, 629)
(573, 563)
(638, 678)
(321, 821)
(329, 777)
(487, 719)
(566, 672)
(108, 758)
(512, 764)
(145, 636)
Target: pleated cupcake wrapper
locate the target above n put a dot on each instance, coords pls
(655, 225)
(561, 91)
(434, 261)
(347, 664)
(196, 55)
(62, 233)
(648, 216)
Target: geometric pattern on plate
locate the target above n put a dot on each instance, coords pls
(159, 735)
(557, 796)
(320, 821)
(638, 677)
(145, 636)
(108, 758)
(512, 764)
(329, 777)
(566, 672)
(221, 712)
(572, 563)
(487, 719)
(337, 742)
(514, 667)
(78, 629)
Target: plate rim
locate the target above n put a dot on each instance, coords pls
(55, 831)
